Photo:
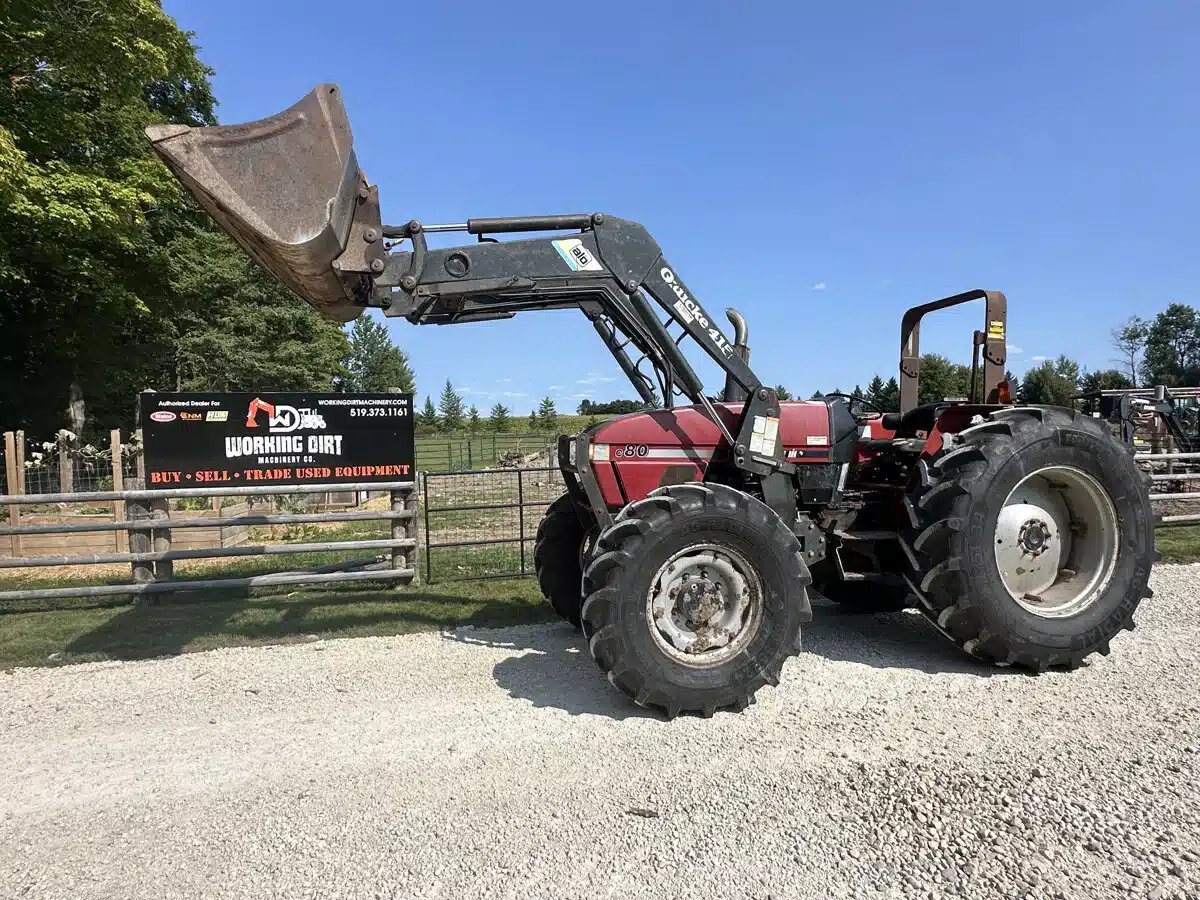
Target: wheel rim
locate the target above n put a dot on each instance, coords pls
(704, 605)
(1056, 541)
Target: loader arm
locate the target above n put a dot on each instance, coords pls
(606, 268)
(289, 189)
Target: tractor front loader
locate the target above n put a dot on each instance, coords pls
(689, 537)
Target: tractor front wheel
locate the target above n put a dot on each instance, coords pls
(695, 599)
(1034, 538)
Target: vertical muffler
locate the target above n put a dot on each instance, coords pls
(289, 190)
(734, 393)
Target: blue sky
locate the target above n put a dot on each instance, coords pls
(819, 166)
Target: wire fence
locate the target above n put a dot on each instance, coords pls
(483, 524)
(460, 453)
(64, 465)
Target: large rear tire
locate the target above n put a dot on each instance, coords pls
(695, 599)
(557, 558)
(1033, 538)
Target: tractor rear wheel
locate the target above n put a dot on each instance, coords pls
(558, 558)
(1034, 538)
(695, 599)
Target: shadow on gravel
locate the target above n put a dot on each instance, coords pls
(189, 623)
(893, 640)
(555, 671)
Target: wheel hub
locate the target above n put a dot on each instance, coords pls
(704, 604)
(1056, 541)
(1034, 537)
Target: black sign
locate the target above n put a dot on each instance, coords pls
(194, 440)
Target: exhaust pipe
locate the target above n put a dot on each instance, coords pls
(289, 190)
(733, 392)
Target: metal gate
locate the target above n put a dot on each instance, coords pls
(482, 524)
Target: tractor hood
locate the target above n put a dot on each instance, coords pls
(289, 190)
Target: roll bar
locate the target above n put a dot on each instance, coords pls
(991, 339)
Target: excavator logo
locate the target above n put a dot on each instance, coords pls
(282, 419)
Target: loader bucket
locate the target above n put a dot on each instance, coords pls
(287, 188)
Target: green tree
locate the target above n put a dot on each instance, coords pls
(376, 363)
(1172, 348)
(237, 329)
(427, 418)
(450, 405)
(1014, 383)
(547, 415)
(86, 209)
(474, 423)
(1129, 340)
(533, 422)
(1054, 382)
(884, 394)
(942, 379)
(782, 393)
(1104, 380)
(499, 418)
(611, 407)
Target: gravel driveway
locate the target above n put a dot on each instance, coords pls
(500, 764)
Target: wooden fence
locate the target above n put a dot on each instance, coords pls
(150, 527)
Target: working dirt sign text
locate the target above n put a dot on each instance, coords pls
(205, 439)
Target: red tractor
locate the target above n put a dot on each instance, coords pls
(690, 536)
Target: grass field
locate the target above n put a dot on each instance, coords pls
(1179, 545)
(438, 452)
(59, 632)
(78, 631)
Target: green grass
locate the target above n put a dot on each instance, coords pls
(77, 632)
(1179, 545)
(83, 630)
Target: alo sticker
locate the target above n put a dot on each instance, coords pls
(577, 256)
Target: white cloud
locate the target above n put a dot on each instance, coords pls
(819, 286)
(555, 387)
(1042, 358)
(513, 394)
(1014, 349)
(593, 378)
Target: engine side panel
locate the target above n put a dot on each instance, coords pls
(634, 455)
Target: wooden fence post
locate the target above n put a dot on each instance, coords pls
(404, 557)
(118, 484)
(165, 569)
(141, 457)
(399, 532)
(16, 485)
(139, 541)
(66, 468)
(20, 465)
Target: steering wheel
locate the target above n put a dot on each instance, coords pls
(857, 406)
